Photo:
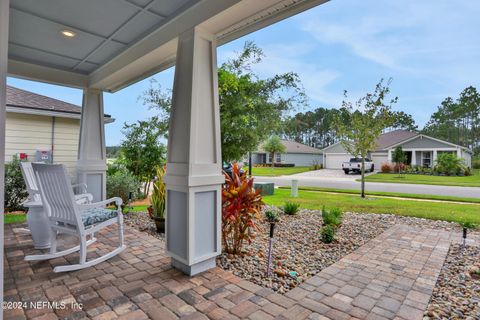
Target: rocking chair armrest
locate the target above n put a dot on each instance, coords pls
(118, 201)
(82, 186)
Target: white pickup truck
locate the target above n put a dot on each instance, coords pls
(355, 165)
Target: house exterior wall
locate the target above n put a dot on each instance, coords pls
(28, 133)
(424, 142)
(298, 159)
(302, 159)
(378, 159)
(468, 158)
(335, 148)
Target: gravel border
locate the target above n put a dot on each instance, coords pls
(457, 292)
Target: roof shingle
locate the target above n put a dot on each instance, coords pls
(26, 99)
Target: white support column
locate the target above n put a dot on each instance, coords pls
(414, 157)
(459, 153)
(194, 164)
(4, 16)
(91, 164)
(390, 156)
(434, 158)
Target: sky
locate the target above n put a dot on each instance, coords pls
(429, 48)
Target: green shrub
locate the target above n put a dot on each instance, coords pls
(271, 216)
(468, 225)
(332, 217)
(327, 234)
(15, 189)
(476, 164)
(449, 164)
(121, 183)
(291, 208)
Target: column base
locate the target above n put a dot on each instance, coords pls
(195, 268)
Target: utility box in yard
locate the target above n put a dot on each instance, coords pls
(266, 188)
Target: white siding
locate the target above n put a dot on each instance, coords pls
(302, 159)
(335, 160)
(29, 133)
(379, 159)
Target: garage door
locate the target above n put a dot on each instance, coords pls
(334, 161)
(379, 159)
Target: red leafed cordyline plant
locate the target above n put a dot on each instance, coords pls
(241, 208)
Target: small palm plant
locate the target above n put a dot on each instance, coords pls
(157, 199)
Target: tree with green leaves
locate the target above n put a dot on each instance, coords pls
(251, 109)
(274, 145)
(368, 117)
(399, 157)
(142, 149)
(457, 120)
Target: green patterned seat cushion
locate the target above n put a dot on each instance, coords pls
(97, 215)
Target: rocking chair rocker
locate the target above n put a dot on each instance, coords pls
(65, 215)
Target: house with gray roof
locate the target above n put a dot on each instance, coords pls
(41, 128)
(421, 150)
(295, 153)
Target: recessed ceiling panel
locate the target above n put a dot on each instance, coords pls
(166, 7)
(137, 27)
(97, 16)
(105, 51)
(34, 56)
(45, 35)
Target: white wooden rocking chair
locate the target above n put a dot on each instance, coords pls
(34, 193)
(65, 215)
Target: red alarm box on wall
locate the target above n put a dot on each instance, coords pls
(22, 156)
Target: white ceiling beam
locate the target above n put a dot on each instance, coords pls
(36, 72)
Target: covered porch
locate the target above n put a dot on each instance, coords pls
(106, 46)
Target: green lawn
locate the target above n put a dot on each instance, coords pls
(392, 194)
(14, 218)
(423, 209)
(470, 181)
(277, 171)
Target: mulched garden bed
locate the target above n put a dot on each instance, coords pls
(457, 292)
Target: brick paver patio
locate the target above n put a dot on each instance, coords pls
(391, 277)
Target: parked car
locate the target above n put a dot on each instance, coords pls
(355, 165)
(228, 168)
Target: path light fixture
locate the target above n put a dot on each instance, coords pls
(272, 218)
(465, 226)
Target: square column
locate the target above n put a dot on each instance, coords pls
(4, 16)
(91, 164)
(414, 157)
(194, 162)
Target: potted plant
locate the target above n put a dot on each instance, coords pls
(157, 199)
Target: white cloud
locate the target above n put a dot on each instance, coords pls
(434, 38)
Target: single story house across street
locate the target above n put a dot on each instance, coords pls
(421, 150)
(295, 153)
(41, 128)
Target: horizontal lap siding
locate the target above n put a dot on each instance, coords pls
(29, 133)
(302, 159)
(67, 132)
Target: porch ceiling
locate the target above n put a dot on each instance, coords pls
(118, 42)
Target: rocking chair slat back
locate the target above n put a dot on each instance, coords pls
(56, 191)
(30, 181)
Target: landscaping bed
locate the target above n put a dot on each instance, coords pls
(141, 221)
(457, 292)
(298, 246)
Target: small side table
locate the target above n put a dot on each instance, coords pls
(38, 224)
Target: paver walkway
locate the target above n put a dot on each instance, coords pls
(392, 276)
